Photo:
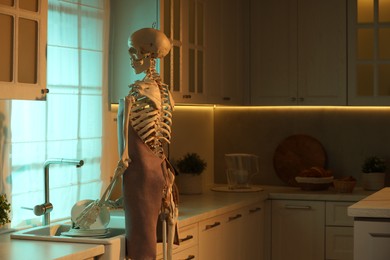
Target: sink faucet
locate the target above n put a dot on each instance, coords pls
(47, 207)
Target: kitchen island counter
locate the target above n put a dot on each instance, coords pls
(376, 205)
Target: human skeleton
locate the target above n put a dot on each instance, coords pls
(148, 178)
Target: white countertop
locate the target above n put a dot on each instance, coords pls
(211, 203)
(14, 249)
(192, 208)
(376, 205)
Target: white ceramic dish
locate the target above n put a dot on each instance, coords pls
(101, 221)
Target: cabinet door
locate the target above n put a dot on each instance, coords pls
(273, 52)
(183, 68)
(298, 52)
(298, 230)
(226, 42)
(234, 235)
(254, 232)
(368, 52)
(23, 34)
(322, 52)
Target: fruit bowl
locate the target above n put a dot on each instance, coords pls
(314, 183)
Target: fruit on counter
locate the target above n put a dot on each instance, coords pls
(316, 171)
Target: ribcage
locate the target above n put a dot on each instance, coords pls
(151, 116)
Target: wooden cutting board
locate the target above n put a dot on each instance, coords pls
(296, 153)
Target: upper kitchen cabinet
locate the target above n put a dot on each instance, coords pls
(227, 35)
(126, 17)
(205, 64)
(23, 34)
(298, 52)
(369, 52)
(183, 67)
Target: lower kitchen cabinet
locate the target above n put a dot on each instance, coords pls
(372, 239)
(234, 235)
(298, 230)
(238, 234)
(310, 230)
(339, 231)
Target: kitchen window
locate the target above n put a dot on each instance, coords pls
(69, 123)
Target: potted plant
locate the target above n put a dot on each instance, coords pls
(374, 169)
(189, 178)
(5, 209)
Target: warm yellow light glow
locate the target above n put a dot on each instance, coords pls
(114, 108)
(308, 108)
(365, 11)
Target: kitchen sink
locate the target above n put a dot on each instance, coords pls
(55, 232)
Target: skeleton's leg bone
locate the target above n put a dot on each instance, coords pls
(164, 230)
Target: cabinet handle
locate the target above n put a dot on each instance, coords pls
(189, 257)
(293, 99)
(297, 207)
(226, 98)
(235, 217)
(213, 225)
(188, 237)
(187, 96)
(254, 210)
(380, 235)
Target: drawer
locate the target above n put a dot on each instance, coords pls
(187, 254)
(211, 224)
(339, 243)
(188, 237)
(337, 215)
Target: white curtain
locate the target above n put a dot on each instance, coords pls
(69, 124)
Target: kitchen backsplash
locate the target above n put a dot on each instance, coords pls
(347, 134)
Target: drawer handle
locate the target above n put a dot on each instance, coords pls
(383, 235)
(188, 237)
(306, 207)
(213, 225)
(235, 217)
(189, 257)
(254, 210)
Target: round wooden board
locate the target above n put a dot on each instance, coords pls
(296, 153)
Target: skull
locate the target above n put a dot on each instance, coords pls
(146, 44)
